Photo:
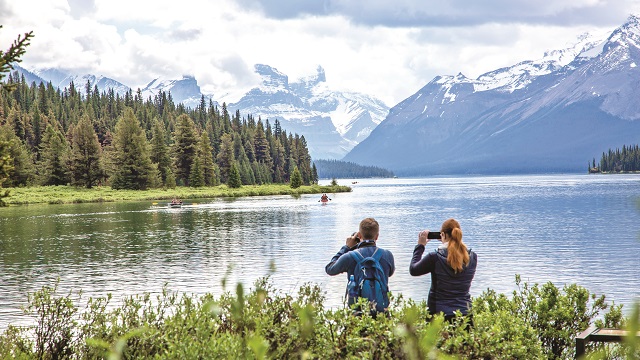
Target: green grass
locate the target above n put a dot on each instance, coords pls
(71, 195)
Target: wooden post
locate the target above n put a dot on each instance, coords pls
(598, 335)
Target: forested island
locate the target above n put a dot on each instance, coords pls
(618, 161)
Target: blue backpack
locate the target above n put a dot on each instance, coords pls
(371, 282)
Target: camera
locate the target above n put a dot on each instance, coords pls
(355, 237)
(433, 235)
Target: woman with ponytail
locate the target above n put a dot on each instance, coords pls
(452, 267)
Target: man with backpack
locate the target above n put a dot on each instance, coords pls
(369, 265)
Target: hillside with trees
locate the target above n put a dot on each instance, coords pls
(328, 169)
(59, 137)
(618, 161)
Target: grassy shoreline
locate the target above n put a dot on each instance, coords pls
(74, 195)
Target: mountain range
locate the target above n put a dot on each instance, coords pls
(333, 122)
(555, 114)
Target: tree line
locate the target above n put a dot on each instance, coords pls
(625, 160)
(59, 137)
(344, 169)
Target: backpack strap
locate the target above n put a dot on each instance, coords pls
(355, 254)
(377, 255)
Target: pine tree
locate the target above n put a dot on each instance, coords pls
(234, 177)
(296, 178)
(196, 178)
(262, 151)
(205, 154)
(134, 169)
(160, 151)
(6, 162)
(12, 55)
(184, 147)
(86, 168)
(6, 166)
(23, 171)
(54, 158)
(226, 157)
(314, 174)
(304, 160)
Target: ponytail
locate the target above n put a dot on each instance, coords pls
(457, 254)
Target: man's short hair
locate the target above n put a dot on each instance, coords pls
(369, 229)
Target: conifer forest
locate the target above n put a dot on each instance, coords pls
(92, 138)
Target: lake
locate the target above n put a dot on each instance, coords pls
(582, 229)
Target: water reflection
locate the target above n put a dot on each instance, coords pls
(561, 228)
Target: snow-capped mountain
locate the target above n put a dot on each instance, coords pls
(550, 115)
(185, 90)
(62, 80)
(332, 122)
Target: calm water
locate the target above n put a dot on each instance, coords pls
(582, 229)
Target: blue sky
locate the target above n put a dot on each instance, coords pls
(389, 49)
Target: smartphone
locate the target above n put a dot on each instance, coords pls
(433, 235)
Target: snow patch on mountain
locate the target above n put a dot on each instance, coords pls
(61, 80)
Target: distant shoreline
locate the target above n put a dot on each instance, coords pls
(615, 172)
(74, 195)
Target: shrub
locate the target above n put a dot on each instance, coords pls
(535, 322)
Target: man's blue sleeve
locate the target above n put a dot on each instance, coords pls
(339, 263)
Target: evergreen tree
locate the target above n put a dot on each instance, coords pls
(234, 181)
(279, 161)
(86, 169)
(170, 183)
(262, 151)
(160, 151)
(54, 158)
(314, 174)
(134, 169)
(244, 165)
(23, 171)
(6, 166)
(304, 160)
(205, 154)
(296, 178)
(6, 162)
(12, 55)
(196, 178)
(226, 157)
(184, 147)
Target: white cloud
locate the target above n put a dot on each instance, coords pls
(389, 51)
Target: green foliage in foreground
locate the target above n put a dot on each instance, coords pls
(536, 322)
(70, 194)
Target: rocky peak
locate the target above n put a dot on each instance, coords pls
(271, 77)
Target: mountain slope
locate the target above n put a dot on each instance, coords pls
(332, 122)
(62, 80)
(550, 115)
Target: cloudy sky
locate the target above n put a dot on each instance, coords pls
(385, 48)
